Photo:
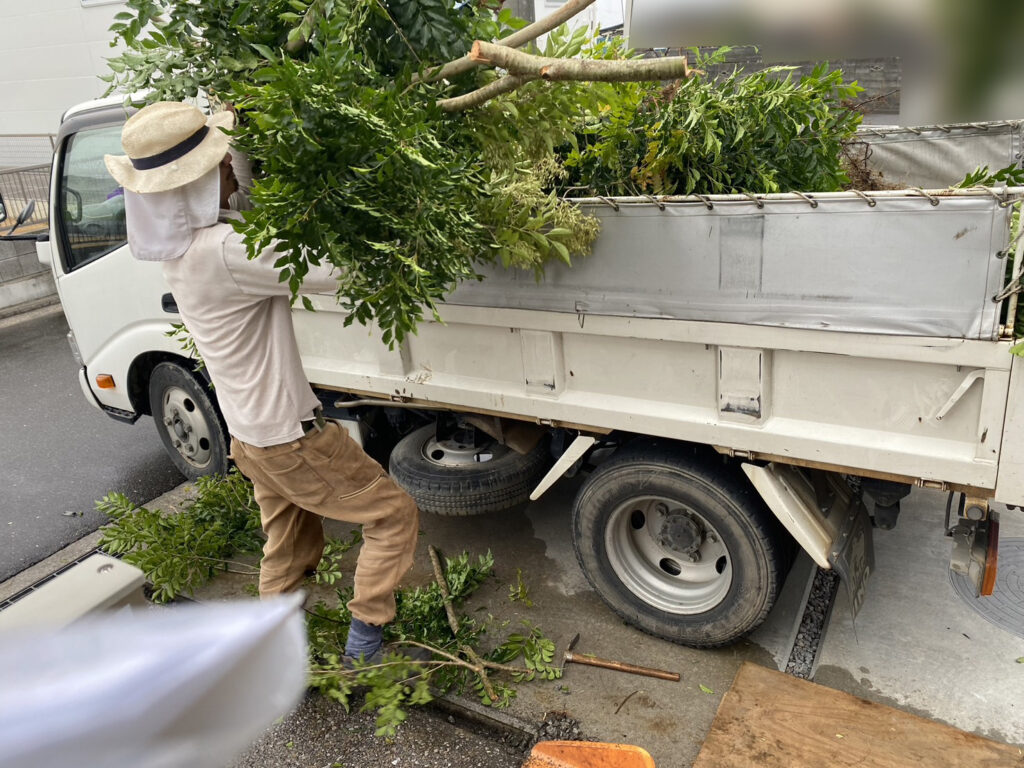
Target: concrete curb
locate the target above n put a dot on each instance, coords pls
(490, 718)
(36, 573)
(78, 549)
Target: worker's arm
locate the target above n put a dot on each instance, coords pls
(259, 276)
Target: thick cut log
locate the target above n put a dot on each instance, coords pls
(523, 36)
(590, 70)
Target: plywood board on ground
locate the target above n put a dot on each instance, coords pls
(770, 719)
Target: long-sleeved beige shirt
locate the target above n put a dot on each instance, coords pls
(239, 314)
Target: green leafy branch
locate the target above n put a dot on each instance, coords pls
(328, 570)
(187, 343)
(519, 592)
(180, 552)
(426, 619)
(1010, 176)
(757, 133)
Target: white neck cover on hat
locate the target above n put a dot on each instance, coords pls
(161, 224)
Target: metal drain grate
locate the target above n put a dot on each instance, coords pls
(1005, 607)
(803, 656)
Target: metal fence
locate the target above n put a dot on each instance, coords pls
(18, 187)
(21, 150)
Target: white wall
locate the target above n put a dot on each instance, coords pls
(51, 53)
(603, 13)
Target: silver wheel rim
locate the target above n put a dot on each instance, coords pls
(452, 453)
(186, 427)
(668, 555)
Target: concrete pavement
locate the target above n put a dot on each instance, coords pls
(916, 645)
(891, 654)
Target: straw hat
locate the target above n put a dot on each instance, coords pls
(168, 145)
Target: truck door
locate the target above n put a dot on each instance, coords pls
(113, 302)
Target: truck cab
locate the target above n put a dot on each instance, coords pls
(120, 309)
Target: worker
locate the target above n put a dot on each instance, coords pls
(178, 179)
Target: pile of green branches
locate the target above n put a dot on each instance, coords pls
(406, 175)
(456, 641)
(759, 133)
(180, 551)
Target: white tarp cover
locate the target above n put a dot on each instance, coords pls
(904, 266)
(185, 686)
(937, 157)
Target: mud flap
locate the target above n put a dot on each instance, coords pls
(825, 516)
(853, 554)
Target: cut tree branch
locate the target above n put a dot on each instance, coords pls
(589, 70)
(516, 39)
(483, 95)
(442, 584)
(453, 622)
(525, 67)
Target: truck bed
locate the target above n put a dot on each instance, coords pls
(644, 335)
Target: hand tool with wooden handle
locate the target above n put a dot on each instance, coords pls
(620, 666)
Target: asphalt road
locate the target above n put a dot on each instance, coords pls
(58, 454)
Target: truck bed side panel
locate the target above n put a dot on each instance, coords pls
(902, 266)
(848, 400)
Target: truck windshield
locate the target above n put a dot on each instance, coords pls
(91, 202)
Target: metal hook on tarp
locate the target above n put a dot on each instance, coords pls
(1013, 287)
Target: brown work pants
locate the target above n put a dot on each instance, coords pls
(326, 474)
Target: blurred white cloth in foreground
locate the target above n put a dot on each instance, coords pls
(185, 686)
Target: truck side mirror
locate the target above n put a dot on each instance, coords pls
(3, 209)
(26, 213)
(72, 205)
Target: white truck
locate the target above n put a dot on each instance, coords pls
(732, 374)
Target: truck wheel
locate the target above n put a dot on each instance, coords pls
(678, 545)
(188, 422)
(455, 479)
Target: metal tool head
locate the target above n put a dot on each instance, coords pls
(572, 643)
(567, 654)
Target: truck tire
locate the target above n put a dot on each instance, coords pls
(190, 425)
(679, 545)
(452, 479)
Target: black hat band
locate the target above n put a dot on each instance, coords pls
(174, 153)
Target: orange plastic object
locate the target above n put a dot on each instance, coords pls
(104, 381)
(587, 754)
